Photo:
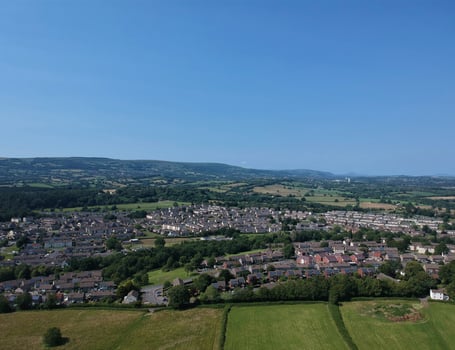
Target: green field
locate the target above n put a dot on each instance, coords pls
(150, 242)
(319, 195)
(197, 329)
(301, 326)
(103, 329)
(371, 330)
(148, 206)
(278, 326)
(160, 276)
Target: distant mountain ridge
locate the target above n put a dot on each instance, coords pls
(51, 169)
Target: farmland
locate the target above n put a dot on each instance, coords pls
(378, 324)
(102, 329)
(131, 206)
(432, 330)
(301, 326)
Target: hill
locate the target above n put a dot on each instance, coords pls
(77, 169)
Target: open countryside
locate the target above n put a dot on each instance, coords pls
(281, 327)
(96, 329)
(370, 329)
(262, 327)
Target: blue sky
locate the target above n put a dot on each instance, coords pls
(342, 86)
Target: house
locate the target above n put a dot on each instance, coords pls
(131, 297)
(432, 270)
(236, 282)
(254, 278)
(98, 295)
(275, 275)
(73, 298)
(220, 285)
(438, 294)
(177, 282)
(306, 260)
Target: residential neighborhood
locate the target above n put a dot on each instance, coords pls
(55, 239)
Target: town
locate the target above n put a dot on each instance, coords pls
(50, 242)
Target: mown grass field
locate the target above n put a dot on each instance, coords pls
(160, 276)
(300, 326)
(105, 329)
(370, 330)
(278, 326)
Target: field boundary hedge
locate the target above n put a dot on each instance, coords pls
(224, 322)
(338, 319)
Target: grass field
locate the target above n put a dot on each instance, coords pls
(86, 329)
(197, 329)
(375, 205)
(150, 242)
(320, 195)
(281, 190)
(279, 326)
(334, 200)
(445, 198)
(160, 276)
(101, 329)
(371, 330)
(301, 326)
(148, 206)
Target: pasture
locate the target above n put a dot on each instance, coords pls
(377, 325)
(150, 242)
(114, 329)
(147, 206)
(299, 326)
(159, 276)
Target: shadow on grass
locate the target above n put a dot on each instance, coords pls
(63, 341)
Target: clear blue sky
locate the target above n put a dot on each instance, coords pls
(342, 86)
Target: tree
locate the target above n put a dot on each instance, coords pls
(211, 294)
(412, 269)
(225, 275)
(24, 301)
(160, 242)
(5, 307)
(113, 243)
(390, 268)
(23, 272)
(211, 261)
(53, 337)
(447, 273)
(179, 297)
(441, 248)
(288, 251)
(189, 267)
(51, 301)
(202, 282)
(22, 241)
(125, 287)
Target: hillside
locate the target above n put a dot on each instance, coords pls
(73, 170)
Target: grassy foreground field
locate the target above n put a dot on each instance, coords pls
(300, 326)
(371, 330)
(105, 329)
(278, 326)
